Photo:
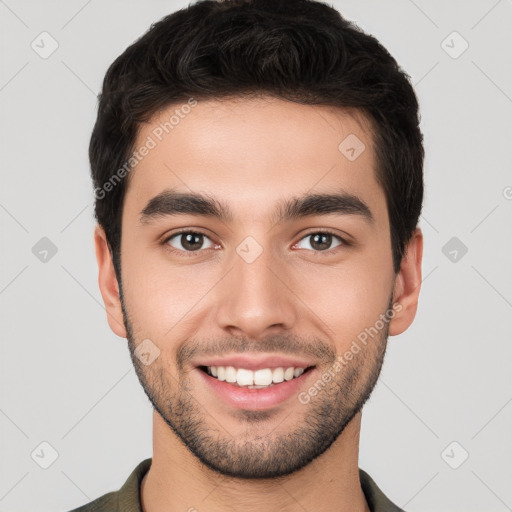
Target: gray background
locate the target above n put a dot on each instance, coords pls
(67, 380)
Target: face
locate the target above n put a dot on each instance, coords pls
(251, 244)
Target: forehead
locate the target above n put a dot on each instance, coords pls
(252, 152)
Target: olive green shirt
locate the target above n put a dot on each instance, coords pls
(127, 499)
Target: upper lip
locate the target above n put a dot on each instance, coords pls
(256, 362)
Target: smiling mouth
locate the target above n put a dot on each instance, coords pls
(258, 379)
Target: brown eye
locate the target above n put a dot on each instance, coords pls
(188, 241)
(321, 241)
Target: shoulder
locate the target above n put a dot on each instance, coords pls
(127, 498)
(106, 503)
(377, 500)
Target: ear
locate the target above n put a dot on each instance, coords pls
(107, 281)
(407, 285)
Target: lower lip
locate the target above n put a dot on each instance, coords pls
(255, 399)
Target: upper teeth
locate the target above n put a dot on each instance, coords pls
(263, 377)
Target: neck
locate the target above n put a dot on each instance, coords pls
(178, 481)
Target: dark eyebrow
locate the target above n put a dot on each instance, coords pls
(171, 203)
(323, 204)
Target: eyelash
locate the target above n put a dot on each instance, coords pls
(194, 253)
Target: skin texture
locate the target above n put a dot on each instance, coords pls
(293, 299)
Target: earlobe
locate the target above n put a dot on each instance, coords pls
(407, 285)
(108, 284)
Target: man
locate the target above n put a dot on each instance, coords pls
(258, 179)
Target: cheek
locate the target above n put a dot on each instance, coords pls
(161, 297)
(348, 299)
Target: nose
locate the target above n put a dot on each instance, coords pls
(256, 299)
